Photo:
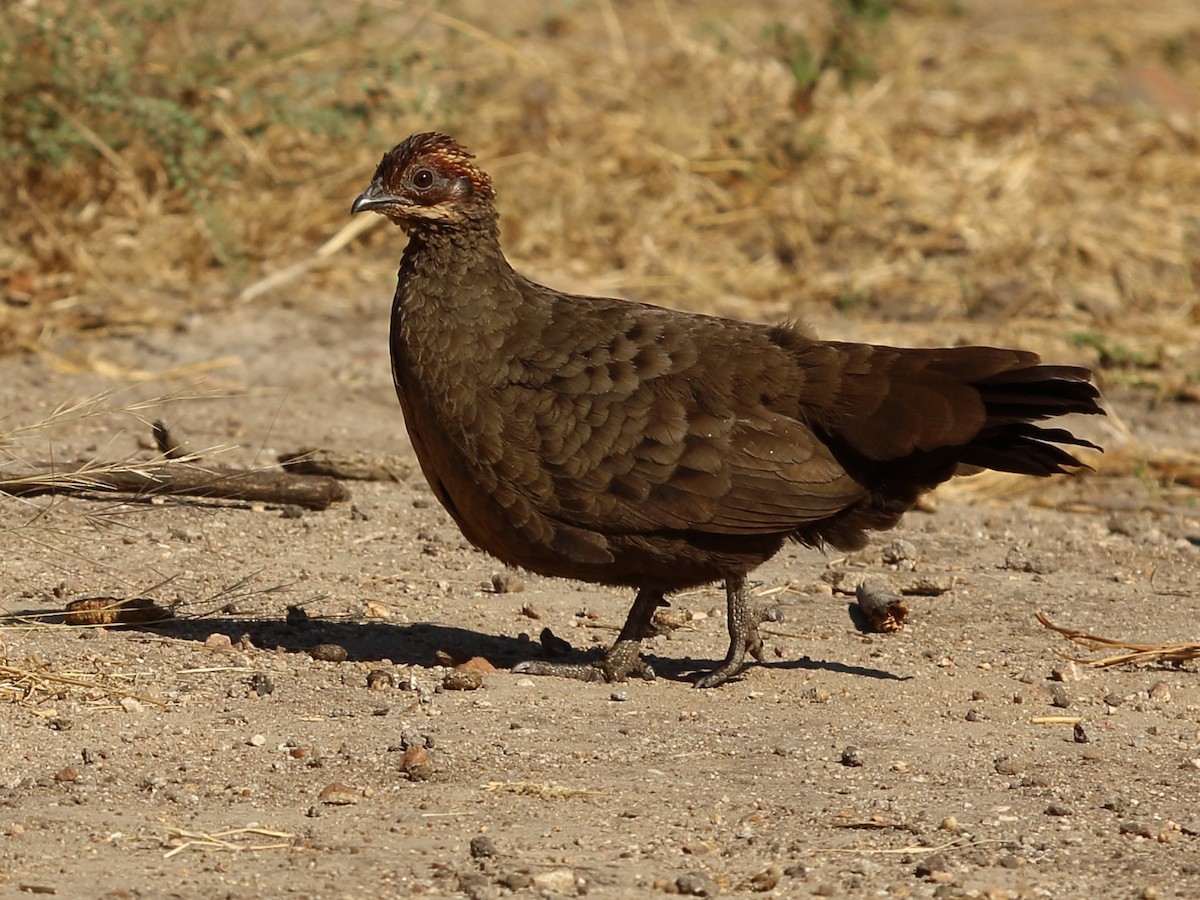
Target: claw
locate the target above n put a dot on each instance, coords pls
(578, 671)
(743, 634)
(623, 657)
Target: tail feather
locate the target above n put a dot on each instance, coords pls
(1028, 450)
(902, 422)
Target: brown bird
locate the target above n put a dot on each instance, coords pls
(621, 443)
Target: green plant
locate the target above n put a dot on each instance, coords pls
(849, 47)
(167, 99)
(1114, 354)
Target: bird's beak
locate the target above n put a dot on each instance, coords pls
(374, 198)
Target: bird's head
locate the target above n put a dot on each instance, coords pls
(428, 182)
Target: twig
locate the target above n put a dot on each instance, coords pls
(215, 841)
(910, 849)
(1138, 653)
(175, 478)
(345, 235)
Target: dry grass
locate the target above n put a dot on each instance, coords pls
(1137, 653)
(1026, 167)
(35, 682)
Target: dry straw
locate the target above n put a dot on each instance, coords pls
(1023, 169)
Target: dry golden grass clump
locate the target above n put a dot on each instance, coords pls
(926, 160)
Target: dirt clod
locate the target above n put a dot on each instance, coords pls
(338, 794)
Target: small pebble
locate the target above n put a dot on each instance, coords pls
(1058, 697)
(930, 866)
(553, 644)
(1138, 829)
(695, 884)
(257, 740)
(462, 680)
(619, 696)
(329, 653)
(1119, 805)
(507, 583)
(1006, 765)
(1160, 692)
(218, 641)
(337, 794)
(415, 763)
(130, 705)
(296, 615)
(476, 664)
(380, 680)
(66, 775)
(482, 846)
(1057, 809)
(476, 886)
(852, 757)
(898, 550)
(261, 684)
(410, 737)
(558, 881)
(1080, 734)
(766, 880)
(517, 881)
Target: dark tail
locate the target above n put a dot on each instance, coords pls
(1013, 401)
(903, 421)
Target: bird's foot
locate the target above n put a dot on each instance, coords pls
(624, 657)
(622, 660)
(743, 635)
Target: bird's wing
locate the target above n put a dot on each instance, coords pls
(652, 428)
(734, 475)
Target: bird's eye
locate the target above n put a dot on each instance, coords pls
(422, 179)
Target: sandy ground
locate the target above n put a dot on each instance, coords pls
(213, 756)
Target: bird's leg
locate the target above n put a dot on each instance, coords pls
(623, 657)
(743, 634)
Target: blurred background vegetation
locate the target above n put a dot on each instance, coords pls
(918, 161)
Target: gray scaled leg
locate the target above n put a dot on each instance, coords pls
(623, 658)
(743, 634)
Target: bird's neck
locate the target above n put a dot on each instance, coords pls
(457, 300)
(452, 271)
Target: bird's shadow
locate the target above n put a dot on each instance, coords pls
(427, 644)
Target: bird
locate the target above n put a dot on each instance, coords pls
(620, 443)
